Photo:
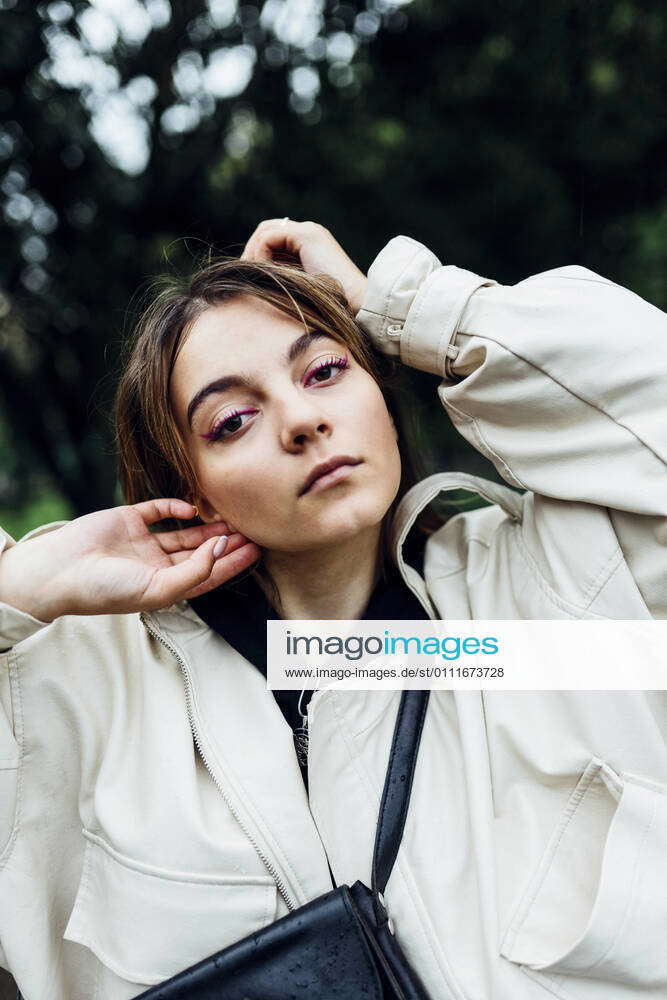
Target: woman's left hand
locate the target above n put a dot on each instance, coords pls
(314, 247)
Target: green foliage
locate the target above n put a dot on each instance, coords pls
(510, 138)
(43, 508)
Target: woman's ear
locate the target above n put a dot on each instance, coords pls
(205, 511)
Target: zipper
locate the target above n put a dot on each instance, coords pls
(301, 734)
(280, 884)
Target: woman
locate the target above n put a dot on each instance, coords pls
(153, 808)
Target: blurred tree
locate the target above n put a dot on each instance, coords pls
(510, 137)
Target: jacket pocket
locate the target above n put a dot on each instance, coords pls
(596, 907)
(145, 924)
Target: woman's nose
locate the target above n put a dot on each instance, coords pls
(303, 420)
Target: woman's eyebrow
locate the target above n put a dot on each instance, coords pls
(218, 385)
(302, 343)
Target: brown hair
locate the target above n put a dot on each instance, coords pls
(153, 460)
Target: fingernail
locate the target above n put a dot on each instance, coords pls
(220, 546)
(196, 512)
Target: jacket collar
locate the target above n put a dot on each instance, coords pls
(423, 493)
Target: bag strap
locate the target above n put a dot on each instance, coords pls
(396, 793)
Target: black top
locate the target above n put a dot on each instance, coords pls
(239, 610)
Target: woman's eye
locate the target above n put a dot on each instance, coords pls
(229, 425)
(327, 370)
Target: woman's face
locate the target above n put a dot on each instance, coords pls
(260, 406)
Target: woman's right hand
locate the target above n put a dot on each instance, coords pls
(109, 562)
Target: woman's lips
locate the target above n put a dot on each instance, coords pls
(330, 478)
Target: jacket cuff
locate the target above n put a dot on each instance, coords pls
(393, 280)
(413, 305)
(15, 626)
(428, 338)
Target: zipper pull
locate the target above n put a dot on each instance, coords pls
(301, 735)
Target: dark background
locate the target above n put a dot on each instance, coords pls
(510, 137)
(135, 135)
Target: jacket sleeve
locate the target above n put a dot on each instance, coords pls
(560, 380)
(15, 625)
(13, 628)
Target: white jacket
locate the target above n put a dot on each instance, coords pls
(151, 806)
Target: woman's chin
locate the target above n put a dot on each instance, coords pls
(336, 531)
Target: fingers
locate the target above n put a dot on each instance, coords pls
(227, 567)
(197, 573)
(170, 583)
(262, 246)
(273, 235)
(234, 541)
(189, 538)
(257, 236)
(157, 510)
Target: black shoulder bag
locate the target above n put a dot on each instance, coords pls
(340, 945)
